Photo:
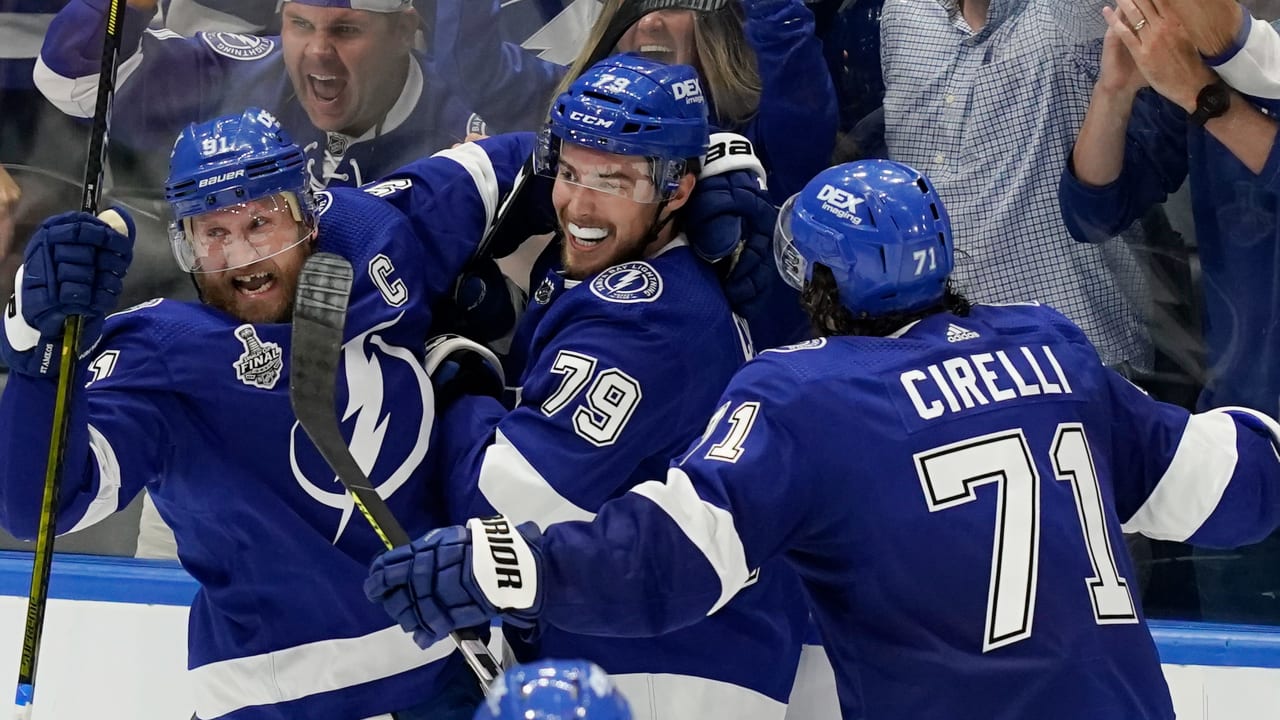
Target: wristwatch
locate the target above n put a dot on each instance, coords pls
(1213, 101)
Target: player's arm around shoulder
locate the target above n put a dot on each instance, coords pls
(453, 196)
(394, 286)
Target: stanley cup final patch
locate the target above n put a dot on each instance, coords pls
(261, 363)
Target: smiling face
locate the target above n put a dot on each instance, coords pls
(249, 258)
(664, 35)
(607, 207)
(347, 66)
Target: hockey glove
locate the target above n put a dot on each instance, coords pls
(730, 200)
(74, 265)
(459, 577)
(486, 304)
(460, 366)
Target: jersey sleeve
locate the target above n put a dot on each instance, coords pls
(592, 403)
(453, 196)
(397, 278)
(795, 127)
(164, 80)
(1155, 165)
(670, 552)
(1210, 478)
(1251, 64)
(106, 464)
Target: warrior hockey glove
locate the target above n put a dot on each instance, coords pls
(74, 265)
(460, 577)
(459, 366)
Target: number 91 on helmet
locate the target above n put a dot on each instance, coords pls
(238, 189)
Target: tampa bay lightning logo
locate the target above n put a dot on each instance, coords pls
(633, 282)
(815, 344)
(321, 201)
(237, 46)
(388, 435)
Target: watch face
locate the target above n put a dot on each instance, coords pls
(1215, 100)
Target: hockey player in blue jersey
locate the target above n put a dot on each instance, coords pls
(626, 344)
(342, 77)
(950, 481)
(190, 401)
(554, 690)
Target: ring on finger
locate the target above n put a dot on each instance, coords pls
(1140, 24)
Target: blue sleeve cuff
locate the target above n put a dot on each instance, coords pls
(1237, 43)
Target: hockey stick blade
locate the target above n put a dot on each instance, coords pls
(629, 14)
(319, 316)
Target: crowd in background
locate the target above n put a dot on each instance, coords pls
(1062, 144)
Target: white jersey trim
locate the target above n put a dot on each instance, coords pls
(78, 97)
(1255, 70)
(1194, 482)
(709, 527)
(297, 672)
(107, 500)
(476, 161)
(515, 488)
(655, 696)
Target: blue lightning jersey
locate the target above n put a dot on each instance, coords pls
(166, 81)
(193, 404)
(621, 368)
(953, 499)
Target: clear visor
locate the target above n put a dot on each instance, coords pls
(239, 235)
(639, 179)
(792, 266)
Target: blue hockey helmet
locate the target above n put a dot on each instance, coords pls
(225, 163)
(879, 226)
(554, 690)
(631, 105)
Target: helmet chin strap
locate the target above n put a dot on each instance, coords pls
(657, 226)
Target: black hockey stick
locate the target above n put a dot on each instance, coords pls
(38, 596)
(319, 315)
(627, 15)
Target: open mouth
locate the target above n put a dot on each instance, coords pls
(661, 53)
(255, 284)
(586, 238)
(325, 88)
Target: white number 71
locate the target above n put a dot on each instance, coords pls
(925, 256)
(950, 476)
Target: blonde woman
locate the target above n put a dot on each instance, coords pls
(759, 60)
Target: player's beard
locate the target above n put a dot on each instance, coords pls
(219, 291)
(622, 252)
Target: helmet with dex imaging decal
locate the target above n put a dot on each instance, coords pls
(879, 226)
(554, 690)
(224, 164)
(633, 106)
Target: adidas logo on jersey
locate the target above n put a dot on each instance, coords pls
(956, 334)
